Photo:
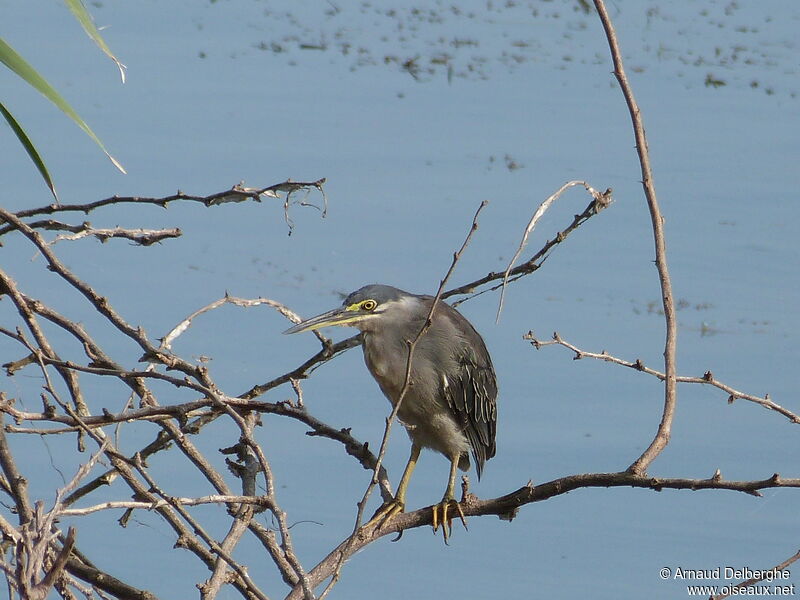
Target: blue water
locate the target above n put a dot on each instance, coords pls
(223, 92)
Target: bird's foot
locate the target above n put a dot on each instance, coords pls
(386, 512)
(441, 517)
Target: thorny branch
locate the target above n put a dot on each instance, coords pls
(238, 193)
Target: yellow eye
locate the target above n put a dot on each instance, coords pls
(369, 304)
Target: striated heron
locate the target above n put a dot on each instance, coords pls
(450, 405)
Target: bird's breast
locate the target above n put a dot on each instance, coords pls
(387, 363)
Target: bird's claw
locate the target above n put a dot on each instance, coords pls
(386, 512)
(446, 520)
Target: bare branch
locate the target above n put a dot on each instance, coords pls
(638, 365)
(35, 544)
(600, 201)
(760, 577)
(243, 302)
(506, 507)
(243, 581)
(238, 193)
(101, 303)
(142, 237)
(328, 351)
(211, 588)
(44, 349)
(262, 501)
(58, 565)
(17, 483)
(106, 582)
(535, 262)
(662, 435)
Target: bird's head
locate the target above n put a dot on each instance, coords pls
(370, 304)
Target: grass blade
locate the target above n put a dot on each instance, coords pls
(86, 21)
(30, 149)
(15, 62)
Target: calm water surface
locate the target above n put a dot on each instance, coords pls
(503, 103)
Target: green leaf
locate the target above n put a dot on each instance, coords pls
(30, 149)
(21, 67)
(86, 21)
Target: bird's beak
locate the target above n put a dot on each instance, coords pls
(338, 316)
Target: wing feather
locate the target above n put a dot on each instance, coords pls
(471, 394)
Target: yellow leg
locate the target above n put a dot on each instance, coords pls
(448, 502)
(412, 462)
(393, 507)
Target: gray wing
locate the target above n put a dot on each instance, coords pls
(471, 391)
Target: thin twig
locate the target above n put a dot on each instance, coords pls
(227, 299)
(739, 587)
(535, 262)
(142, 237)
(638, 365)
(120, 504)
(598, 198)
(16, 482)
(241, 572)
(396, 408)
(238, 193)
